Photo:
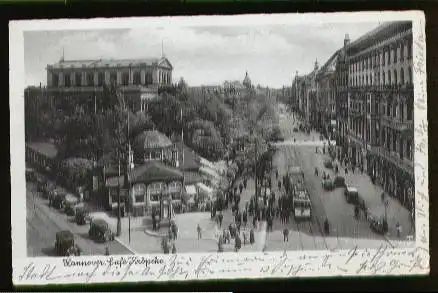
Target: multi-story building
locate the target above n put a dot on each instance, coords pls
(326, 99)
(380, 107)
(341, 92)
(138, 80)
(305, 93)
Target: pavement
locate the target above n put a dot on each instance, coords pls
(43, 222)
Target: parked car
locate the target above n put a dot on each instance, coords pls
(351, 195)
(328, 164)
(70, 204)
(81, 215)
(328, 184)
(100, 231)
(57, 198)
(49, 186)
(339, 181)
(65, 244)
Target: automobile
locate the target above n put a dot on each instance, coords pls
(351, 195)
(328, 164)
(100, 231)
(328, 184)
(81, 215)
(70, 204)
(49, 186)
(378, 225)
(339, 181)
(65, 244)
(40, 182)
(57, 198)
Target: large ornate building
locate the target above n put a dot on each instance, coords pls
(367, 85)
(380, 107)
(138, 80)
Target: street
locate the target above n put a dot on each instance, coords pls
(328, 204)
(43, 222)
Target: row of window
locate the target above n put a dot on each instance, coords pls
(76, 79)
(389, 140)
(394, 110)
(384, 79)
(383, 58)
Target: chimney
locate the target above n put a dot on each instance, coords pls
(346, 40)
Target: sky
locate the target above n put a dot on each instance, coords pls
(202, 55)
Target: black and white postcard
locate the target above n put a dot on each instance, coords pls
(218, 147)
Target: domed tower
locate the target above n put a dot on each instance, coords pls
(247, 80)
(316, 65)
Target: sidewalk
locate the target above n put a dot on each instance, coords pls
(371, 194)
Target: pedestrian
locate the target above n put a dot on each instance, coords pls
(346, 170)
(254, 221)
(175, 231)
(198, 228)
(237, 243)
(245, 182)
(382, 196)
(251, 236)
(245, 237)
(316, 171)
(170, 233)
(220, 244)
(220, 218)
(326, 226)
(285, 234)
(245, 218)
(279, 185)
(173, 248)
(107, 250)
(398, 229)
(276, 174)
(240, 188)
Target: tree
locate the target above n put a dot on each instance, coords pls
(77, 170)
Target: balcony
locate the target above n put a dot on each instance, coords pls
(397, 124)
(394, 158)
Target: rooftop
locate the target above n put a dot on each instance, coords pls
(151, 171)
(108, 63)
(151, 139)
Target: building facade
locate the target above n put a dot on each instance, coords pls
(380, 107)
(138, 80)
(325, 103)
(367, 88)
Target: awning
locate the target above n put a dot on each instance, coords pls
(191, 189)
(204, 188)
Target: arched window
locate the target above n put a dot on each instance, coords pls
(125, 78)
(100, 78)
(402, 52)
(90, 79)
(67, 80)
(402, 76)
(78, 79)
(55, 79)
(395, 55)
(395, 77)
(137, 78)
(389, 77)
(383, 78)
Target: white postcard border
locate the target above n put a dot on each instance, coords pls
(101, 269)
